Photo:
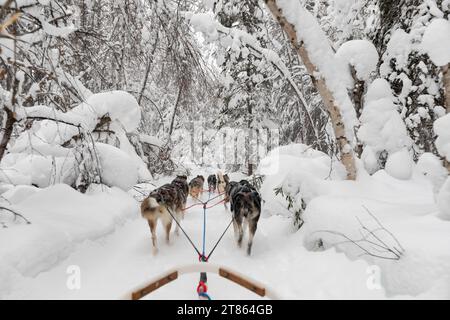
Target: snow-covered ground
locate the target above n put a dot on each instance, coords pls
(102, 236)
(111, 265)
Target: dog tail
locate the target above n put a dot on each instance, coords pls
(149, 204)
(152, 203)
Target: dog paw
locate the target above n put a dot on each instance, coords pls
(155, 251)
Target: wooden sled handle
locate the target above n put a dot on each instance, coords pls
(136, 295)
(226, 273)
(242, 282)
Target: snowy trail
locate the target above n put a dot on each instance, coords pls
(114, 264)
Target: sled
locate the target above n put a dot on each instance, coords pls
(157, 282)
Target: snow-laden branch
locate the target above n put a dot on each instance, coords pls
(328, 73)
(47, 113)
(310, 35)
(214, 31)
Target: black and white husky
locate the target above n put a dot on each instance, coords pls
(245, 205)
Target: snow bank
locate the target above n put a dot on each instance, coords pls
(402, 198)
(443, 200)
(436, 41)
(60, 218)
(18, 194)
(41, 171)
(117, 167)
(405, 208)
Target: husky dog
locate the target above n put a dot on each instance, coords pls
(181, 182)
(212, 183)
(196, 186)
(222, 181)
(161, 203)
(245, 205)
(228, 189)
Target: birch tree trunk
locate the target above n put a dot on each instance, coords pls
(446, 81)
(347, 157)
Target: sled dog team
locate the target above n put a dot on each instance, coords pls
(170, 200)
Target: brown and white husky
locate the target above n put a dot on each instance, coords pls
(196, 186)
(222, 181)
(169, 197)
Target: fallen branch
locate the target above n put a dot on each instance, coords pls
(370, 242)
(16, 214)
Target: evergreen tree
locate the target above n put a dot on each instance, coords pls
(246, 73)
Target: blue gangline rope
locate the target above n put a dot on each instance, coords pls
(204, 230)
(203, 275)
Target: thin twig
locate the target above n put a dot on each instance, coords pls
(16, 214)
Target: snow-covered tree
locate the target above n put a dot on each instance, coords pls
(247, 75)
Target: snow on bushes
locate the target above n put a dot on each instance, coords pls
(126, 146)
(398, 48)
(116, 167)
(399, 164)
(382, 128)
(70, 117)
(430, 168)
(58, 146)
(295, 169)
(119, 105)
(436, 41)
(442, 129)
(361, 54)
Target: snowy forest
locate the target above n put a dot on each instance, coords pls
(321, 126)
